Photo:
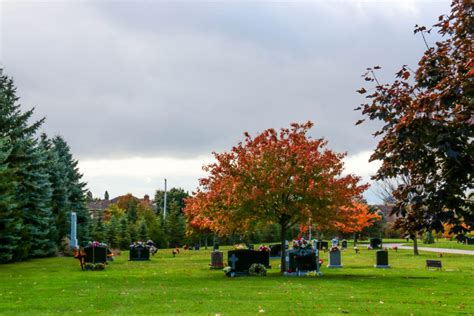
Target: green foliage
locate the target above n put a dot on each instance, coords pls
(428, 238)
(113, 237)
(143, 231)
(98, 229)
(124, 233)
(106, 195)
(9, 222)
(176, 195)
(175, 224)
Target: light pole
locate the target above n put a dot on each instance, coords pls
(164, 202)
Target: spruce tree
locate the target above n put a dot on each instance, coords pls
(175, 224)
(143, 231)
(98, 230)
(124, 234)
(76, 192)
(113, 238)
(9, 222)
(35, 201)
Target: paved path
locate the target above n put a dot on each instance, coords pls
(443, 250)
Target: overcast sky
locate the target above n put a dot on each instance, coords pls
(143, 90)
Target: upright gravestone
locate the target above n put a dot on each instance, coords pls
(324, 245)
(196, 246)
(376, 243)
(302, 259)
(217, 260)
(275, 251)
(344, 244)
(381, 259)
(139, 252)
(73, 243)
(335, 258)
(95, 255)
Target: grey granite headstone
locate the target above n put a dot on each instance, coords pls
(335, 258)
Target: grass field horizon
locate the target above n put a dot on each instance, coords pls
(186, 285)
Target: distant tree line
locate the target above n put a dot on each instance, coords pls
(40, 185)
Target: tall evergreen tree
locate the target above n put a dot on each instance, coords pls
(143, 231)
(98, 230)
(35, 201)
(76, 191)
(9, 222)
(113, 237)
(106, 195)
(124, 233)
(175, 224)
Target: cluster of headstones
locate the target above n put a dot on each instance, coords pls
(298, 261)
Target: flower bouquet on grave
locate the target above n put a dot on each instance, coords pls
(395, 248)
(258, 269)
(301, 244)
(334, 249)
(240, 246)
(95, 243)
(139, 244)
(264, 248)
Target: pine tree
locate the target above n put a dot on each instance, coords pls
(106, 195)
(113, 238)
(98, 229)
(124, 234)
(143, 231)
(9, 223)
(175, 224)
(19, 135)
(35, 201)
(76, 192)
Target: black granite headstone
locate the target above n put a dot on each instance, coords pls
(95, 255)
(275, 250)
(376, 243)
(381, 259)
(240, 260)
(139, 253)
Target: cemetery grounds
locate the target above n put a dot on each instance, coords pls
(186, 285)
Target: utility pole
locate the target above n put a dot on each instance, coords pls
(164, 202)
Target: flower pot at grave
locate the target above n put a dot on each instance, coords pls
(376, 243)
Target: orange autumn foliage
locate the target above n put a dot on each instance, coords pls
(283, 178)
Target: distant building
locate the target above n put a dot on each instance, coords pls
(97, 206)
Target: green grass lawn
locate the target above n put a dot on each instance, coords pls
(185, 285)
(439, 243)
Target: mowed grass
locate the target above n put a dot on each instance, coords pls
(186, 285)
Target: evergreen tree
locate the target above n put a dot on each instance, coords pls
(89, 196)
(76, 192)
(124, 233)
(106, 195)
(175, 224)
(35, 200)
(132, 211)
(143, 231)
(9, 222)
(98, 229)
(113, 238)
(156, 232)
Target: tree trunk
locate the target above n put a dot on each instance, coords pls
(415, 246)
(283, 250)
(355, 239)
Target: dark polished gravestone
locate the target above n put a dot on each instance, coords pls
(470, 241)
(344, 244)
(324, 245)
(139, 253)
(217, 260)
(335, 258)
(275, 251)
(240, 260)
(95, 255)
(381, 259)
(376, 243)
(302, 261)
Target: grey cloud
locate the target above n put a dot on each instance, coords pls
(183, 79)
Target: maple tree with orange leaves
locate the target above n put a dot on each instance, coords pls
(282, 177)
